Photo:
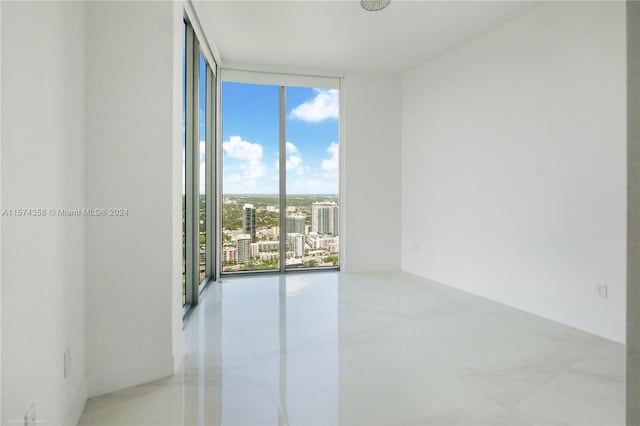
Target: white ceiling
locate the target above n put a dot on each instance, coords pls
(341, 36)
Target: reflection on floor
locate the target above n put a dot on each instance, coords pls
(373, 349)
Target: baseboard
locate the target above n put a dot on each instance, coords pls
(550, 316)
(368, 268)
(117, 378)
(77, 405)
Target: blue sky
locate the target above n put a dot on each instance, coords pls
(250, 136)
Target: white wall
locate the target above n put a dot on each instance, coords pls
(42, 167)
(514, 167)
(133, 146)
(371, 172)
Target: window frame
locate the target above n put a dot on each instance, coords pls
(283, 80)
(191, 254)
(210, 175)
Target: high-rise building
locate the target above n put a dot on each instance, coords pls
(269, 256)
(325, 242)
(249, 221)
(295, 224)
(264, 246)
(325, 218)
(296, 244)
(229, 254)
(244, 248)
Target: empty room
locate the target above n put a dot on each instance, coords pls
(317, 212)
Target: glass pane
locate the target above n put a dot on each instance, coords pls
(312, 177)
(250, 184)
(202, 206)
(184, 166)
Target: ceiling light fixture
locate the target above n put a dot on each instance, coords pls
(374, 5)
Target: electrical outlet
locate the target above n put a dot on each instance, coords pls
(601, 290)
(30, 417)
(67, 362)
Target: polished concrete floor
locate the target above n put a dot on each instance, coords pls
(373, 349)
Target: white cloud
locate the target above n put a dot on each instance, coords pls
(326, 104)
(203, 178)
(235, 147)
(333, 162)
(253, 170)
(250, 156)
(294, 163)
(203, 151)
(294, 160)
(291, 148)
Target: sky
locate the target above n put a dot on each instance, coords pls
(250, 134)
(250, 139)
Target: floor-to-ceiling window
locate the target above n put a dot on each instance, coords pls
(312, 176)
(202, 175)
(250, 186)
(198, 199)
(280, 177)
(279, 174)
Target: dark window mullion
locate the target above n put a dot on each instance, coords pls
(194, 158)
(190, 39)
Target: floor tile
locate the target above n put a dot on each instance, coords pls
(372, 349)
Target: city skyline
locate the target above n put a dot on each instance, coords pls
(251, 198)
(311, 238)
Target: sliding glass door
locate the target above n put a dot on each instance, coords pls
(202, 170)
(312, 178)
(198, 148)
(250, 188)
(280, 177)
